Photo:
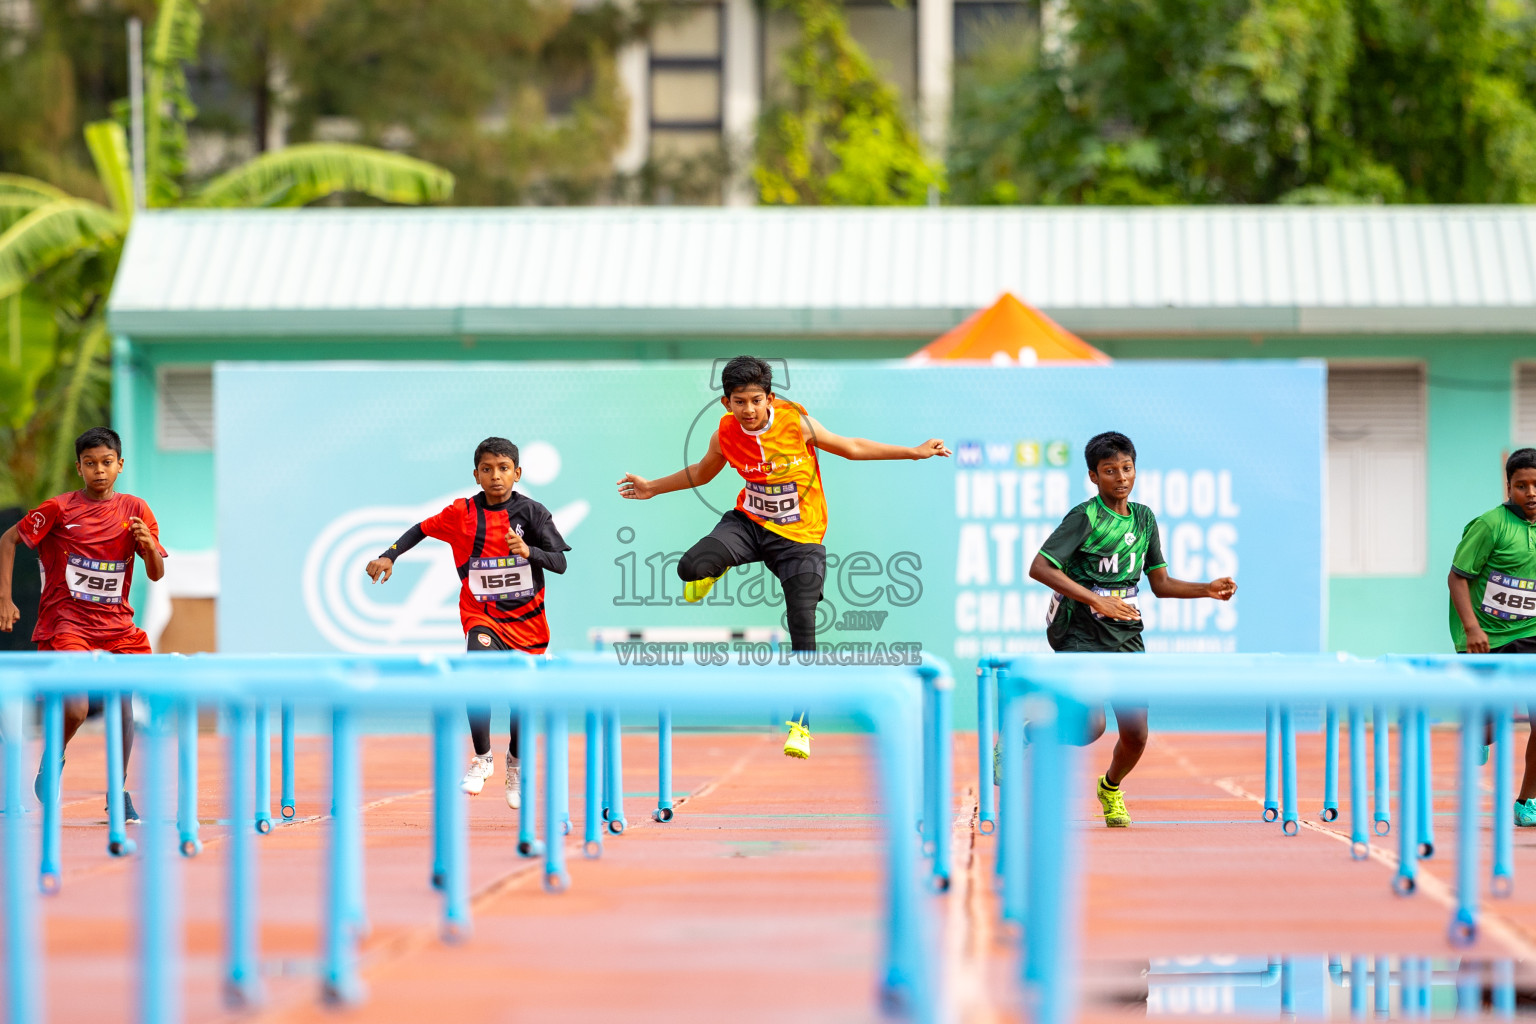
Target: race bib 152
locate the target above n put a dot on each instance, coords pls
(500, 579)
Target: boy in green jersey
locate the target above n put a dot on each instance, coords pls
(1094, 562)
(1493, 590)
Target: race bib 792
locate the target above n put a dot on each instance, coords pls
(96, 581)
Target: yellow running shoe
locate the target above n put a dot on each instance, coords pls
(1113, 802)
(694, 590)
(798, 742)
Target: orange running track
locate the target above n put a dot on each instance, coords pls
(761, 901)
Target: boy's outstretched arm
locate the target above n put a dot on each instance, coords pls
(862, 450)
(1164, 585)
(696, 475)
(381, 568)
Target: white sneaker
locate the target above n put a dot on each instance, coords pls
(481, 767)
(514, 785)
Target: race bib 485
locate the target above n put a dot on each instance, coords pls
(1509, 597)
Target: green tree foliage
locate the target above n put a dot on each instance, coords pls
(1254, 101)
(839, 137)
(62, 63)
(520, 99)
(59, 253)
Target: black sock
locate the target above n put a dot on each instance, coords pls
(1104, 781)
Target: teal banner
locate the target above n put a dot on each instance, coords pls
(321, 466)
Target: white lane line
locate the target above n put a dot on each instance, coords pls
(1489, 923)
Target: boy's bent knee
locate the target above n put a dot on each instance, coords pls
(1134, 738)
(706, 559)
(76, 709)
(1093, 726)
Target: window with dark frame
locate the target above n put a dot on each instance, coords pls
(978, 22)
(885, 31)
(687, 81)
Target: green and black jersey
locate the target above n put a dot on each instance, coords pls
(1107, 553)
(1497, 556)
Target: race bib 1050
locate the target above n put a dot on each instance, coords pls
(98, 582)
(779, 503)
(500, 579)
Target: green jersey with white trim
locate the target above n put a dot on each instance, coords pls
(1497, 557)
(1107, 553)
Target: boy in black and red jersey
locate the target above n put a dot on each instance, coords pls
(503, 541)
(86, 542)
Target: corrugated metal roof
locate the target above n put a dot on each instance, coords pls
(627, 271)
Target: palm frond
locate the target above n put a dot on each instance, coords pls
(20, 185)
(304, 173)
(86, 379)
(15, 207)
(20, 195)
(167, 106)
(50, 234)
(27, 335)
(108, 144)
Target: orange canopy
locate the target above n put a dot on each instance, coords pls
(1009, 331)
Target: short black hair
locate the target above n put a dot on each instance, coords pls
(746, 372)
(1523, 458)
(1105, 445)
(98, 437)
(497, 446)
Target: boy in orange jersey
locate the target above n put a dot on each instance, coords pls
(781, 514)
(86, 542)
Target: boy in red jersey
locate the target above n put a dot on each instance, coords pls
(503, 542)
(780, 516)
(86, 542)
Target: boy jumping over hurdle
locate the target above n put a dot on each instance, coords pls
(780, 516)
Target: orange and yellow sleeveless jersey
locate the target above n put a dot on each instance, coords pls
(783, 479)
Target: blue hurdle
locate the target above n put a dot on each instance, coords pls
(1039, 870)
(290, 806)
(602, 638)
(1281, 802)
(888, 700)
